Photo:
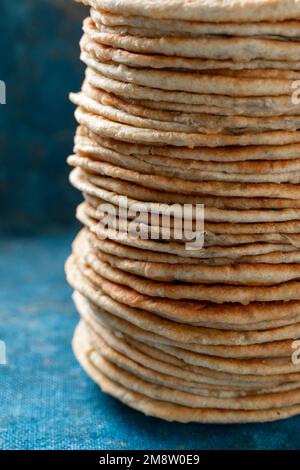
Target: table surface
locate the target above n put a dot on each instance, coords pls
(47, 401)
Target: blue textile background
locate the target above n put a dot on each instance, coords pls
(46, 400)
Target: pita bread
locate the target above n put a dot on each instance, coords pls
(120, 246)
(189, 122)
(151, 343)
(80, 281)
(227, 274)
(179, 316)
(193, 105)
(209, 252)
(212, 293)
(220, 203)
(282, 29)
(172, 380)
(238, 49)
(158, 371)
(130, 365)
(211, 109)
(105, 189)
(216, 11)
(119, 374)
(101, 149)
(233, 274)
(87, 214)
(183, 369)
(211, 214)
(132, 360)
(169, 412)
(107, 128)
(210, 255)
(88, 162)
(176, 185)
(99, 52)
(157, 391)
(261, 315)
(246, 105)
(192, 82)
(205, 154)
(104, 338)
(91, 111)
(97, 318)
(127, 30)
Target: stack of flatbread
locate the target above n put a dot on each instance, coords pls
(186, 103)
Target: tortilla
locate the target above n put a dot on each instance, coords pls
(208, 123)
(192, 82)
(238, 105)
(282, 29)
(109, 151)
(238, 49)
(97, 51)
(187, 104)
(178, 352)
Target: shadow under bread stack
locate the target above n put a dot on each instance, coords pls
(190, 103)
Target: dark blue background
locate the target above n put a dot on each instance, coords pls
(46, 401)
(40, 65)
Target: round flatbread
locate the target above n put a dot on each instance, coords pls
(215, 11)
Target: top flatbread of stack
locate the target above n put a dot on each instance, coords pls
(235, 11)
(282, 29)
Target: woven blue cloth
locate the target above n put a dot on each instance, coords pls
(47, 401)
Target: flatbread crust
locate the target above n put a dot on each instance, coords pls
(282, 29)
(235, 11)
(190, 104)
(160, 408)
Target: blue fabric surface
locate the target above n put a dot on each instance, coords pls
(47, 401)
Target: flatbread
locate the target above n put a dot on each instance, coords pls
(109, 189)
(148, 353)
(216, 11)
(261, 274)
(238, 49)
(119, 245)
(232, 274)
(246, 105)
(111, 129)
(178, 355)
(177, 185)
(104, 149)
(212, 250)
(106, 54)
(188, 122)
(208, 252)
(79, 277)
(260, 315)
(212, 293)
(129, 358)
(190, 104)
(169, 412)
(145, 31)
(132, 381)
(192, 82)
(87, 161)
(282, 29)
